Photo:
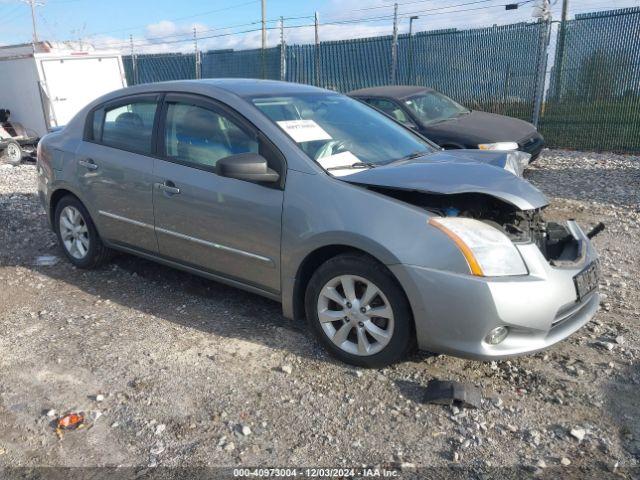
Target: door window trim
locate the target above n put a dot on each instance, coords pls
(220, 108)
(157, 136)
(121, 102)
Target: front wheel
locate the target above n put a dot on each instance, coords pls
(359, 312)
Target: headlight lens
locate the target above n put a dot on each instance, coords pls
(488, 251)
(498, 146)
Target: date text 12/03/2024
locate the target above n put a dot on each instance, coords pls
(315, 472)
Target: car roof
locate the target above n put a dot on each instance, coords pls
(390, 91)
(243, 87)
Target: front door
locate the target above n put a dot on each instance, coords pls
(115, 172)
(225, 226)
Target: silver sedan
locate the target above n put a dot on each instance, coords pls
(381, 240)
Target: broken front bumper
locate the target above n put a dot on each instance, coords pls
(454, 313)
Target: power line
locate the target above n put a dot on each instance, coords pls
(432, 11)
(126, 29)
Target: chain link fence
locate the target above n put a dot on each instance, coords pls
(594, 98)
(591, 102)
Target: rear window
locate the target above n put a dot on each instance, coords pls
(127, 127)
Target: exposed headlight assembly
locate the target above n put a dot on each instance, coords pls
(498, 146)
(488, 251)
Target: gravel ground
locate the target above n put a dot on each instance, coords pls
(174, 370)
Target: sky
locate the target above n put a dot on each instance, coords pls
(167, 25)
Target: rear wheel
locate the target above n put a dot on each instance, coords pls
(78, 235)
(12, 153)
(359, 312)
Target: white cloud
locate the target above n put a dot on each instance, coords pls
(179, 35)
(161, 29)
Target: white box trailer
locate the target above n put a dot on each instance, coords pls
(44, 85)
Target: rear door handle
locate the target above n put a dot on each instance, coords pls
(88, 164)
(168, 187)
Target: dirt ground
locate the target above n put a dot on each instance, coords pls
(171, 369)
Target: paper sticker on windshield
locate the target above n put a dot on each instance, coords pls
(304, 130)
(340, 164)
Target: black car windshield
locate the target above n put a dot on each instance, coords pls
(341, 134)
(434, 107)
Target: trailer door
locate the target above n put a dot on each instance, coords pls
(71, 83)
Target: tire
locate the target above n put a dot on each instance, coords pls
(12, 153)
(390, 337)
(84, 248)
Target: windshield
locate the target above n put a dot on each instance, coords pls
(341, 134)
(434, 107)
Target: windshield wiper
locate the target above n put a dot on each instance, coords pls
(353, 165)
(411, 156)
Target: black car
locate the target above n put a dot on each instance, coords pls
(448, 123)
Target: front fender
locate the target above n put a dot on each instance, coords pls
(321, 211)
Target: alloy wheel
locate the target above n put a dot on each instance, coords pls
(355, 315)
(74, 232)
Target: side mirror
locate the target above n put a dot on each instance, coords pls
(250, 167)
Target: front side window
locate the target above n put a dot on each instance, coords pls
(339, 132)
(201, 136)
(390, 108)
(434, 107)
(129, 127)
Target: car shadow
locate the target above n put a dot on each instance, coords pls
(151, 288)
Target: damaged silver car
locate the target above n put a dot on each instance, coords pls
(381, 240)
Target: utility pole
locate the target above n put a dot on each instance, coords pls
(543, 12)
(264, 24)
(317, 49)
(283, 52)
(560, 56)
(394, 46)
(33, 4)
(411, 19)
(134, 66)
(264, 37)
(196, 52)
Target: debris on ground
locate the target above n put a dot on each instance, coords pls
(445, 392)
(70, 421)
(47, 260)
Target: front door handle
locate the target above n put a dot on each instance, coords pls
(168, 187)
(88, 164)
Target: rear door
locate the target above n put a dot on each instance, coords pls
(115, 170)
(222, 225)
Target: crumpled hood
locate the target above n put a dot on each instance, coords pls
(486, 127)
(452, 172)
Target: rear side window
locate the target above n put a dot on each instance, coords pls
(202, 136)
(128, 127)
